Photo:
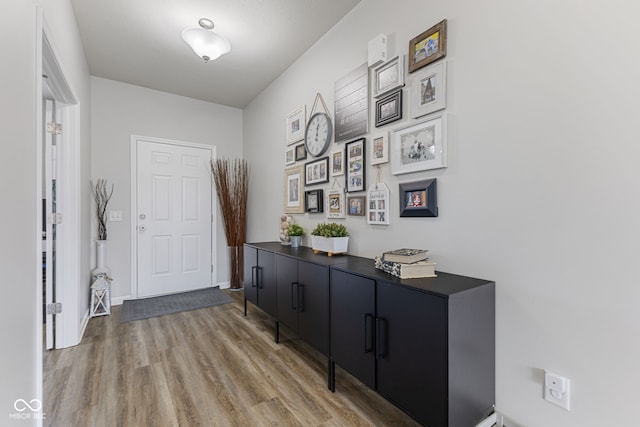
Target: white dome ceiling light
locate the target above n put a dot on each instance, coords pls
(204, 42)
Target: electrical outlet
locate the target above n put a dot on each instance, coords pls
(557, 390)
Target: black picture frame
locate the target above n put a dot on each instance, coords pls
(314, 201)
(389, 108)
(418, 198)
(355, 165)
(316, 171)
(301, 152)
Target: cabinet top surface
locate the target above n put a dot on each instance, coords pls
(305, 253)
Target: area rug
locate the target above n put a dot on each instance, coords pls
(146, 308)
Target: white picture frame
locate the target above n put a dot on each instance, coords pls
(289, 156)
(336, 203)
(420, 146)
(388, 76)
(379, 149)
(429, 90)
(295, 125)
(337, 163)
(378, 204)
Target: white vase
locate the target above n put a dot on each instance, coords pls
(101, 257)
(331, 245)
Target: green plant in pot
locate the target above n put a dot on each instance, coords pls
(295, 232)
(331, 238)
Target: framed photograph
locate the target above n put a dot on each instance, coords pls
(429, 46)
(317, 171)
(301, 152)
(379, 149)
(296, 121)
(388, 76)
(429, 90)
(389, 108)
(419, 198)
(313, 200)
(337, 163)
(356, 205)
(335, 203)
(378, 204)
(420, 147)
(355, 177)
(351, 104)
(293, 190)
(289, 156)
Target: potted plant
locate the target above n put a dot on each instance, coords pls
(295, 232)
(330, 237)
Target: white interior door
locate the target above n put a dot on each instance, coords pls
(173, 215)
(50, 226)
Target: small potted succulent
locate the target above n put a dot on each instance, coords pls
(330, 237)
(295, 232)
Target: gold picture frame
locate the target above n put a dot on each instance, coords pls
(293, 186)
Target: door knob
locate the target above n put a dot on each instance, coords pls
(142, 227)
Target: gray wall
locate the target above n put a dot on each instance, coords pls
(541, 190)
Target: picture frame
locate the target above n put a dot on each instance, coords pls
(293, 185)
(289, 156)
(313, 201)
(388, 76)
(355, 163)
(420, 146)
(428, 46)
(356, 205)
(316, 171)
(301, 152)
(429, 90)
(295, 125)
(379, 149)
(389, 108)
(351, 104)
(378, 204)
(419, 198)
(337, 163)
(336, 203)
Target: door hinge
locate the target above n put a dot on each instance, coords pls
(54, 308)
(54, 128)
(55, 218)
(212, 268)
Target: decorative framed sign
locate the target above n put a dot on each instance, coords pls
(301, 152)
(428, 46)
(429, 90)
(337, 163)
(289, 156)
(313, 200)
(296, 121)
(356, 205)
(351, 104)
(421, 146)
(379, 149)
(335, 203)
(389, 108)
(355, 177)
(316, 171)
(388, 76)
(378, 204)
(293, 190)
(419, 198)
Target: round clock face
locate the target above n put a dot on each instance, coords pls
(317, 136)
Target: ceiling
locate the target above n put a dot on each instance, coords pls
(139, 42)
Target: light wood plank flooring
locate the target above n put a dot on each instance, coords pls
(207, 367)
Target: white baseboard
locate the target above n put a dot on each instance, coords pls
(224, 285)
(119, 300)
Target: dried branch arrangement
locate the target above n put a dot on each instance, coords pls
(102, 197)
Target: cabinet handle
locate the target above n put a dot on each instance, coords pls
(254, 274)
(294, 299)
(259, 278)
(301, 297)
(381, 337)
(368, 333)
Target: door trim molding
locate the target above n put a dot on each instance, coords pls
(133, 145)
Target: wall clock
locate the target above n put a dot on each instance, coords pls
(319, 131)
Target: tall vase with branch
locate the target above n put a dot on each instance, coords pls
(101, 195)
(232, 186)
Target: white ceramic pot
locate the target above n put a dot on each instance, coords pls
(332, 245)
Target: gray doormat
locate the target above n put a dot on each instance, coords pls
(138, 309)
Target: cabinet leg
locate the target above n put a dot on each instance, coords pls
(245, 307)
(277, 337)
(331, 380)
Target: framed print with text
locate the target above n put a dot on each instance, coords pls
(378, 204)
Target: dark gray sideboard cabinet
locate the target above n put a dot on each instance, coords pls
(260, 279)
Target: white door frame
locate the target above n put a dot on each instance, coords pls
(134, 200)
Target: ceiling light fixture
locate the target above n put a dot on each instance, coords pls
(204, 42)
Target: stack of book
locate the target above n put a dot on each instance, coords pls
(406, 263)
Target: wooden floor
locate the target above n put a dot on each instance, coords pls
(207, 367)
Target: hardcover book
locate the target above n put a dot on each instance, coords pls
(405, 255)
(407, 271)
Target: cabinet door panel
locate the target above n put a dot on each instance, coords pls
(352, 325)
(267, 282)
(413, 371)
(250, 270)
(287, 277)
(313, 317)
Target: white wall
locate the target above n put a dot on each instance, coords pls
(120, 110)
(541, 192)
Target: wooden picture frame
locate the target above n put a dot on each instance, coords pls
(295, 125)
(301, 152)
(289, 156)
(337, 163)
(356, 205)
(379, 149)
(293, 184)
(378, 204)
(428, 46)
(420, 146)
(389, 108)
(388, 76)
(418, 198)
(313, 201)
(336, 203)
(355, 163)
(429, 90)
(316, 171)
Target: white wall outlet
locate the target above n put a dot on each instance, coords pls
(115, 216)
(557, 389)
